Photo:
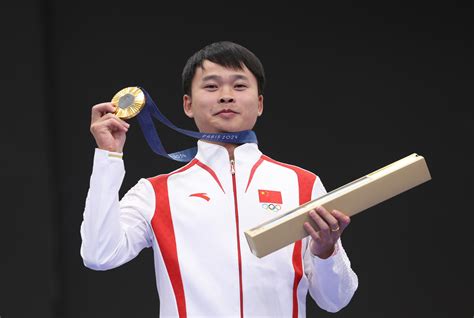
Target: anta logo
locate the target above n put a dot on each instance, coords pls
(270, 200)
(200, 195)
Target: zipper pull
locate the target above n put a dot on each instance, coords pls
(232, 167)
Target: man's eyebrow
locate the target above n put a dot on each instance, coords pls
(217, 77)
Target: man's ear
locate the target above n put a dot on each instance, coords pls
(260, 105)
(187, 106)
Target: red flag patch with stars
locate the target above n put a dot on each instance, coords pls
(269, 196)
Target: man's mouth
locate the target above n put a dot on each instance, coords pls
(225, 111)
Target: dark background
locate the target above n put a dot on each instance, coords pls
(350, 89)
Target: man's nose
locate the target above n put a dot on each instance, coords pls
(226, 99)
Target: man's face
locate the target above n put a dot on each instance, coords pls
(223, 99)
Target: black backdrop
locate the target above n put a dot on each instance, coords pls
(350, 89)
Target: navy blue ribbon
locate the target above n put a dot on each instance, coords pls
(149, 131)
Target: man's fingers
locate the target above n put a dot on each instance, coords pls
(311, 231)
(110, 116)
(115, 122)
(111, 123)
(343, 219)
(327, 222)
(320, 223)
(99, 110)
(328, 218)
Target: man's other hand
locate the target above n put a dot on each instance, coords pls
(330, 226)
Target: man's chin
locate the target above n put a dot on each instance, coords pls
(223, 130)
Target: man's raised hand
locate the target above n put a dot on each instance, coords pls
(108, 130)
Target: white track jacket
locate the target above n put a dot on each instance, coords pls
(194, 219)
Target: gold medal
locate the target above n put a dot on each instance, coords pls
(128, 102)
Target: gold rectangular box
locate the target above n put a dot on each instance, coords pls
(350, 199)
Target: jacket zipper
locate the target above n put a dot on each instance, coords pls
(234, 185)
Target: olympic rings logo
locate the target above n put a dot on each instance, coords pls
(271, 206)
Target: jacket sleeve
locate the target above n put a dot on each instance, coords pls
(332, 282)
(114, 232)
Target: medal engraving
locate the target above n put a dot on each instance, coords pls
(128, 102)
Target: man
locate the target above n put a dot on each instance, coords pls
(194, 217)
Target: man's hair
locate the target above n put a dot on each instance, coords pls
(227, 54)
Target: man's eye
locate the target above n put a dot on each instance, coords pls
(210, 86)
(240, 86)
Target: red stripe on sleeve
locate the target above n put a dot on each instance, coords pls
(163, 229)
(306, 181)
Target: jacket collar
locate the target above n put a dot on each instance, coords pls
(217, 157)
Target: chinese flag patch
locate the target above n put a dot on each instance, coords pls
(269, 196)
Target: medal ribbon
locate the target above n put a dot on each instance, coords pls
(149, 131)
